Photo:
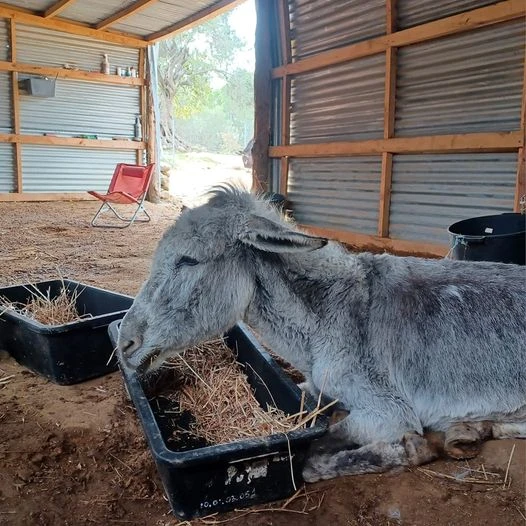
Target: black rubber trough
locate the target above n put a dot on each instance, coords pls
(203, 479)
(69, 353)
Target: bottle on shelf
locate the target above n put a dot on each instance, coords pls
(138, 129)
(105, 65)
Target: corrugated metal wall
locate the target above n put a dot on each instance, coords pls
(414, 12)
(36, 45)
(56, 169)
(82, 108)
(464, 83)
(319, 25)
(6, 121)
(5, 50)
(95, 10)
(7, 167)
(342, 102)
(430, 192)
(339, 193)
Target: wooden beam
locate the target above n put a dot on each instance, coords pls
(197, 18)
(262, 96)
(132, 9)
(481, 17)
(285, 132)
(389, 122)
(469, 142)
(67, 26)
(284, 30)
(88, 76)
(57, 8)
(52, 196)
(72, 142)
(368, 242)
(142, 102)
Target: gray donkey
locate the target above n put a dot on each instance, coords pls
(405, 344)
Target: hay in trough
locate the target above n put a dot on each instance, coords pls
(46, 309)
(214, 388)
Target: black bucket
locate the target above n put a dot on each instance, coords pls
(498, 238)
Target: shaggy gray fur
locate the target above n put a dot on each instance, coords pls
(405, 344)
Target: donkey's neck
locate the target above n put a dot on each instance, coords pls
(284, 308)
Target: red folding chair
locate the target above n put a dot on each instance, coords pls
(128, 186)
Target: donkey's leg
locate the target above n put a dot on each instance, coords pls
(509, 430)
(464, 440)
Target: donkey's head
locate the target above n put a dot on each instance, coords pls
(203, 275)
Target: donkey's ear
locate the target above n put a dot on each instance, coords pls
(264, 234)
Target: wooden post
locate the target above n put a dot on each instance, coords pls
(15, 107)
(142, 102)
(520, 184)
(389, 120)
(262, 96)
(154, 191)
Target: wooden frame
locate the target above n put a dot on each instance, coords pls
(197, 18)
(389, 145)
(72, 142)
(134, 8)
(51, 196)
(57, 8)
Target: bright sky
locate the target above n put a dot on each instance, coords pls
(243, 20)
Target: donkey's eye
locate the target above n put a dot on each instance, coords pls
(187, 261)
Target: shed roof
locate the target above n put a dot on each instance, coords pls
(143, 21)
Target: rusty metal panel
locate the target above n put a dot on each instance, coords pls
(430, 192)
(339, 103)
(320, 25)
(471, 82)
(337, 193)
(160, 15)
(80, 108)
(414, 12)
(46, 47)
(7, 168)
(6, 113)
(61, 169)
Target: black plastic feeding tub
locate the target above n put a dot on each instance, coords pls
(69, 353)
(219, 478)
(498, 238)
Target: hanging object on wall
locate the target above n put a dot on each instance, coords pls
(38, 86)
(105, 64)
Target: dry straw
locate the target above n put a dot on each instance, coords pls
(214, 388)
(45, 308)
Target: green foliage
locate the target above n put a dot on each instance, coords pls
(210, 99)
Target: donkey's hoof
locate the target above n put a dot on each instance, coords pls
(418, 449)
(463, 441)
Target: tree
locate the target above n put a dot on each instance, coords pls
(187, 65)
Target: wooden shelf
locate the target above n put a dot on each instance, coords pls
(88, 76)
(72, 142)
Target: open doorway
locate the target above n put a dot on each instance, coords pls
(206, 100)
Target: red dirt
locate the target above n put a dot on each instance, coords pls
(76, 455)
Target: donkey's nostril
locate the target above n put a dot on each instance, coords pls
(128, 346)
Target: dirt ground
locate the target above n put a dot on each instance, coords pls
(76, 455)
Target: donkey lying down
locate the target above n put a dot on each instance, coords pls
(405, 344)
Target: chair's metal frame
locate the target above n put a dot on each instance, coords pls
(129, 221)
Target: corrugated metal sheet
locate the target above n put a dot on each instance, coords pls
(5, 50)
(7, 168)
(430, 192)
(94, 11)
(414, 12)
(34, 5)
(82, 108)
(159, 15)
(6, 125)
(319, 25)
(470, 82)
(342, 102)
(36, 45)
(339, 193)
(55, 169)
